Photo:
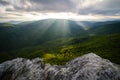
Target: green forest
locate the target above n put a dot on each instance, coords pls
(59, 41)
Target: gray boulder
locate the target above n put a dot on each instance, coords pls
(86, 67)
(22, 69)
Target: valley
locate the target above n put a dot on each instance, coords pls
(58, 40)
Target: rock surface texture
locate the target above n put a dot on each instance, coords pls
(86, 67)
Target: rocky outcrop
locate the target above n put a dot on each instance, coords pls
(86, 67)
(22, 69)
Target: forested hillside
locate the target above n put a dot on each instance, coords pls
(58, 41)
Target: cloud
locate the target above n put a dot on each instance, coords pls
(42, 7)
(53, 5)
(2, 2)
(101, 7)
(104, 7)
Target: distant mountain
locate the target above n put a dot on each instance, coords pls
(34, 38)
(108, 27)
(37, 32)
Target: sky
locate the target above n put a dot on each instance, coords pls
(26, 10)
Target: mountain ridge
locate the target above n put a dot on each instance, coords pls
(37, 32)
(36, 38)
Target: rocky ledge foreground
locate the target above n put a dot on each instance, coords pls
(86, 67)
